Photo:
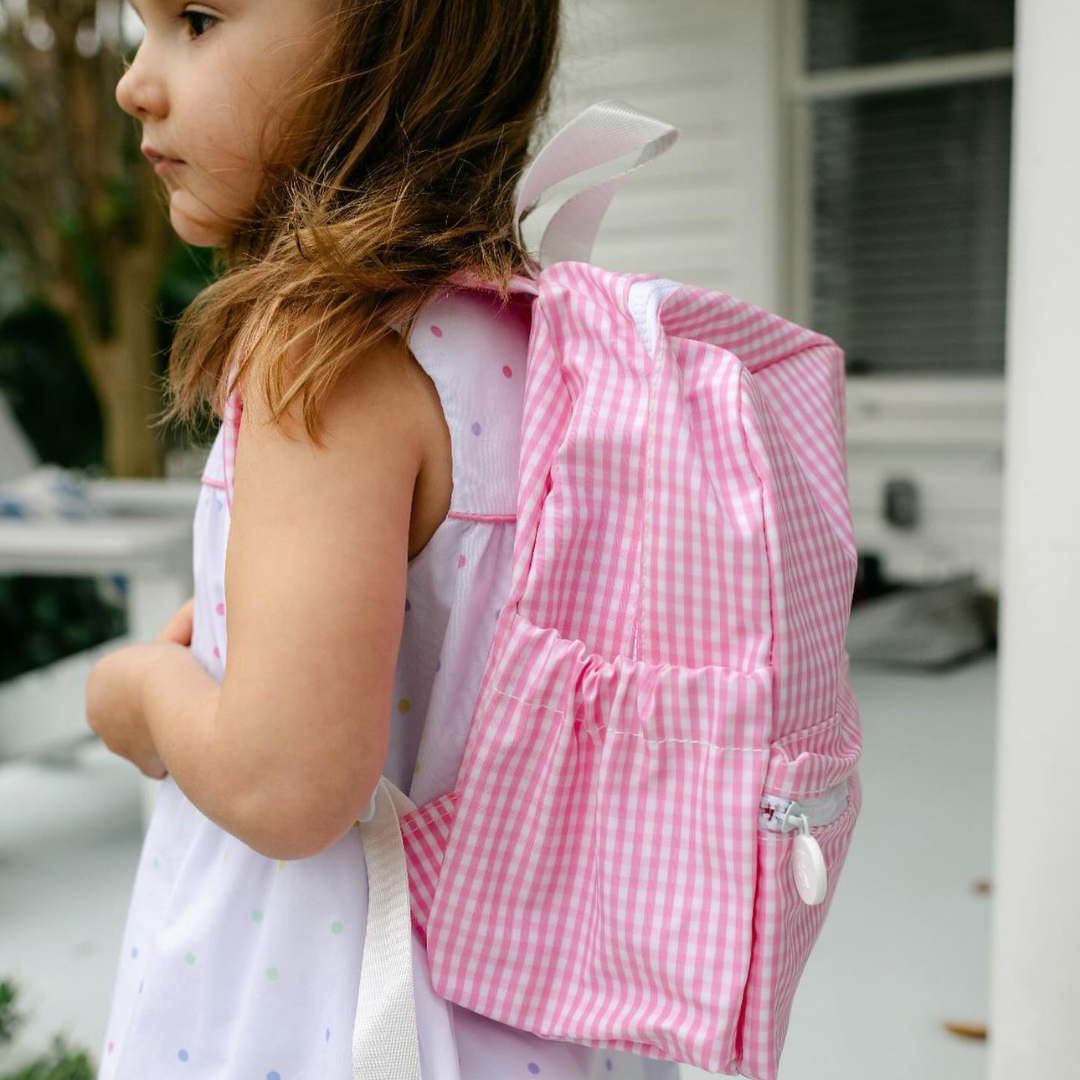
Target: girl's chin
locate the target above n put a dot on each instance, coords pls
(193, 230)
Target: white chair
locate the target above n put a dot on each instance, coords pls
(138, 529)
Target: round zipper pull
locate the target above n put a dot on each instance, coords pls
(808, 862)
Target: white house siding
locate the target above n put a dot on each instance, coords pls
(706, 212)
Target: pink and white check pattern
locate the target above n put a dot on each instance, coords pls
(671, 649)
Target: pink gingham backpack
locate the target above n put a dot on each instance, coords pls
(659, 786)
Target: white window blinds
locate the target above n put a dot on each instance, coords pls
(910, 189)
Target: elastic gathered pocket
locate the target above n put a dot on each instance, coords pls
(597, 884)
(601, 872)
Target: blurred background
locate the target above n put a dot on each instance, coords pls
(845, 163)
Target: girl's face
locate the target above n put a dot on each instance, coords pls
(204, 81)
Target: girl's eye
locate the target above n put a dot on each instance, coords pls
(193, 19)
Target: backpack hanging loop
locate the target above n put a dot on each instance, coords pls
(600, 135)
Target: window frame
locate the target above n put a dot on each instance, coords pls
(800, 89)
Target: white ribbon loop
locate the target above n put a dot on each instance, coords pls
(599, 135)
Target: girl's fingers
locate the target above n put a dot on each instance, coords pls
(179, 626)
(153, 768)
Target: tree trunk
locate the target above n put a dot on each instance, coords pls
(128, 403)
(125, 367)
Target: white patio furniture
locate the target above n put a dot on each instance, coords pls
(140, 530)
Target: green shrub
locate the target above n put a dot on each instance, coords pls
(60, 1062)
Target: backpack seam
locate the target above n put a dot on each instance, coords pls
(633, 734)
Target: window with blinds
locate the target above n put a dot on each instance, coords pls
(910, 186)
(852, 33)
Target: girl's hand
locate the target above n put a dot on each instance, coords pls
(179, 626)
(114, 704)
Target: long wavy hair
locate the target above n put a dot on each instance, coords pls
(419, 124)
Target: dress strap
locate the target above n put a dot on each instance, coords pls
(234, 406)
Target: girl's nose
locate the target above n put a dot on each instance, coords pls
(141, 94)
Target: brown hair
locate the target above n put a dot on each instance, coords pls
(425, 113)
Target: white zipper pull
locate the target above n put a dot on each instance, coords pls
(808, 863)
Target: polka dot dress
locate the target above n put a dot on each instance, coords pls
(235, 966)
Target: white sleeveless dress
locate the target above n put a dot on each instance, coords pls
(235, 966)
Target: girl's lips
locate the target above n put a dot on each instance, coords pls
(163, 164)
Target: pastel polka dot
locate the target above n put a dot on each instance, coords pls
(475, 428)
(336, 927)
(110, 1047)
(436, 331)
(533, 1068)
(155, 864)
(607, 1064)
(408, 606)
(272, 973)
(273, 1076)
(403, 705)
(438, 664)
(256, 915)
(281, 864)
(189, 958)
(416, 768)
(135, 950)
(507, 372)
(140, 987)
(220, 609)
(461, 561)
(217, 651)
(327, 1034)
(182, 1055)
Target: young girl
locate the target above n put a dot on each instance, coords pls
(355, 163)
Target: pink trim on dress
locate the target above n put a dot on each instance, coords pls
(481, 517)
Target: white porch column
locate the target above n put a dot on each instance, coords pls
(1035, 963)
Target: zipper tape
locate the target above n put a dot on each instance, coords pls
(778, 814)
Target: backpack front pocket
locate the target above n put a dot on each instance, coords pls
(598, 881)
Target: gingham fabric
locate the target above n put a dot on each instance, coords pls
(672, 649)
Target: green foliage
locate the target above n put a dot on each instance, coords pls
(82, 242)
(48, 390)
(9, 1019)
(118, 206)
(61, 1062)
(44, 619)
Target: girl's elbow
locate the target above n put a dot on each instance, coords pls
(302, 826)
(287, 825)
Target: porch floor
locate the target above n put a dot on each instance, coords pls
(904, 949)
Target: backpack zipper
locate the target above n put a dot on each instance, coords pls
(781, 815)
(808, 863)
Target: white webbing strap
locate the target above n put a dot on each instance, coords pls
(599, 135)
(385, 1043)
